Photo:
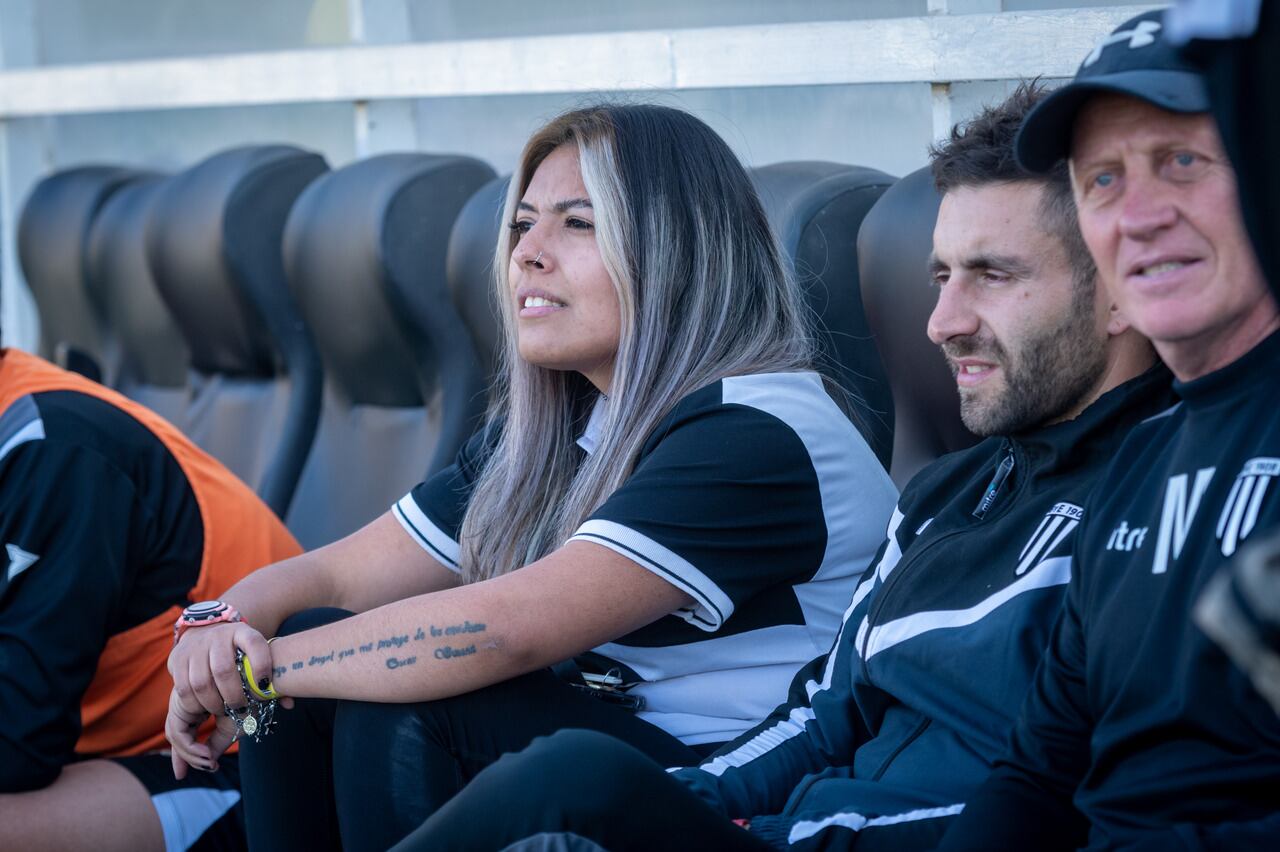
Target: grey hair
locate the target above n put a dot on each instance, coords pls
(703, 292)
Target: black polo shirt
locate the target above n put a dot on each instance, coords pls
(755, 495)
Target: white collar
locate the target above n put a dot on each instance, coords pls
(590, 437)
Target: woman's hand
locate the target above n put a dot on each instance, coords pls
(203, 665)
(180, 728)
(205, 682)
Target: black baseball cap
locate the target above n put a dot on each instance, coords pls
(1135, 59)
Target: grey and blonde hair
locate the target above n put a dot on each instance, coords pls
(704, 294)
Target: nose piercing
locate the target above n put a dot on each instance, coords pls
(538, 258)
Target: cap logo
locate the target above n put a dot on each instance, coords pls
(1143, 34)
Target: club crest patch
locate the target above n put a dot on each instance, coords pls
(1058, 523)
(1240, 512)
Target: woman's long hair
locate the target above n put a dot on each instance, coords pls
(704, 294)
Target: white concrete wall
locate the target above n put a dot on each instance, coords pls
(886, 124)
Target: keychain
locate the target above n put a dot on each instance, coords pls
(257, 716)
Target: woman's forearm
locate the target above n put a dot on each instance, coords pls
(372, 566)
(418, 649)
(456, 640)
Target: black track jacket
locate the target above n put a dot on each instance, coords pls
(1136, 715)
(895, 728)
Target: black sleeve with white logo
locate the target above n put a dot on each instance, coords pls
(724, 504)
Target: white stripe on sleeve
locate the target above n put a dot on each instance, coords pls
(429, 537)
(761, 744)
(33, 431)
(794, 724)
(857, 822)
(1050, 572)
(713, 606)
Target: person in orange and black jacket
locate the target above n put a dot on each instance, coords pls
(111, 522)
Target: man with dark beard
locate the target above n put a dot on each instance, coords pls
(1024, 353)
(884, 738)
(1138, 732)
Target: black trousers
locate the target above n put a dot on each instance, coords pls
(582, 791)
(578, 790)
(367, 774)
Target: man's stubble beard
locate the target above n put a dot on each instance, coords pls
(1055, 368)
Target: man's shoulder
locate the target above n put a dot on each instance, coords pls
(70, 418)
(1149, 448)
(73, 436)
(21, 423)
(1166, 420)
(1185, 482)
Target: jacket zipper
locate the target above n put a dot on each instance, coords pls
(997, 482)
(988, 501)
(989, 497)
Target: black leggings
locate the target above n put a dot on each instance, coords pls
(582, 791)
(371, 773)
(578, 790)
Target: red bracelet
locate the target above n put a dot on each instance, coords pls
(203, 614)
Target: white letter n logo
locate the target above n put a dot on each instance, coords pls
(1175, 521)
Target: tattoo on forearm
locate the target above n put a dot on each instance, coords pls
(458, 629)
(393, 644)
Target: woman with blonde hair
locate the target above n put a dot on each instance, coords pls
(663, 493)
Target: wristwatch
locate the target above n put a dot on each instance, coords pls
(203, 614)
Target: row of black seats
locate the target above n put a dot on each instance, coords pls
(329, 335)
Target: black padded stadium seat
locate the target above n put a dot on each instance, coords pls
(470, 267)
(816, 209)
(893, 251)
(53, 234)
(213, 246)
(365, 250)
(153, 356)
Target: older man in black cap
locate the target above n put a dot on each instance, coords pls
(1139, 733)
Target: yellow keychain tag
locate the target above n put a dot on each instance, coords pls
(267, 693)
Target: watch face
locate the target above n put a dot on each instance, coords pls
(204, 610)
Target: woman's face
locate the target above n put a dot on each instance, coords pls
(567, 312)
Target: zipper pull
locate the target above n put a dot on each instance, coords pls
(993, 487)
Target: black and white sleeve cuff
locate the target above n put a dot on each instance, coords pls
(712, 606)
(430, 537)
